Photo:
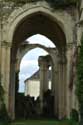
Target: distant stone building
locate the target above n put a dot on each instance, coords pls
(32, 84)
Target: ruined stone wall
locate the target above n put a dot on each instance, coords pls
(70, 20)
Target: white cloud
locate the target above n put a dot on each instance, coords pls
(28, 63)
(34, 54)
(41, 40)
(21, 87)
(27, 73)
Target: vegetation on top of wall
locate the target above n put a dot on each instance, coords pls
(80, 81)
(52, 3)
(61, 3)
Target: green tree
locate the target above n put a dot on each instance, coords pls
(54, 3)
(80, 81)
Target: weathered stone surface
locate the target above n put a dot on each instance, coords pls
(63, 26)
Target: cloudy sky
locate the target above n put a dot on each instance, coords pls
(29, 63)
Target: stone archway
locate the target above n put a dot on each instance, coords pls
(29, 21)
(46, 62)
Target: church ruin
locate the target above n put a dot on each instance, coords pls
(63, 26)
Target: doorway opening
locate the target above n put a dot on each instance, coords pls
(28, 90)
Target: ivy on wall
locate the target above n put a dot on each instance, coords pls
(1, 91)
(80, 81)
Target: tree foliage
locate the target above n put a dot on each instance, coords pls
(53, 3)
(80, 81)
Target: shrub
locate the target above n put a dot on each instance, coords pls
(74, 115)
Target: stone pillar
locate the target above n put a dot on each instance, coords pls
(64, 88)
(61, 87)
(0, 55)
(55, 89)
(60, 94)
(53, 78)
(59, 83)
(55, 86)
(44, 68)
(5, 70)
(69, 94)
(1, 39)
(54, 54)
(12, 90)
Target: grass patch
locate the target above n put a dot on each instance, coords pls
(43, 122)
(40, 122)
(4, 123)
